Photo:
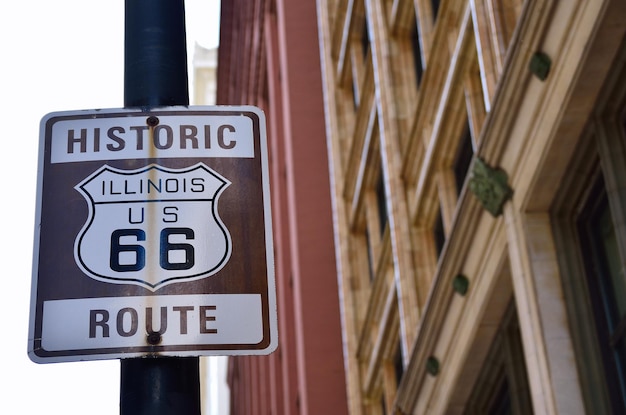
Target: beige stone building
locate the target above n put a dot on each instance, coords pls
(204, 65)
(478, 168)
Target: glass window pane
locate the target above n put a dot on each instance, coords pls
(607, 288)
(608, 262)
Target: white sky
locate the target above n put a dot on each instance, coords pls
(56, 55)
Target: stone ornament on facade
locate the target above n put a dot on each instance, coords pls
(539, 65)
(490, 186)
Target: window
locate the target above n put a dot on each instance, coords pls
(607, 289)
(501, 401)
(397, 364)
(439, 233)
(370, 255)
(586, 238)
(355, 95)
(417, 53)
(502, 386)
(589, 233)
(365, 40)
(435, 8)
(463, 158)
(381, 200)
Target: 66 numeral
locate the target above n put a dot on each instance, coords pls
(138, 251)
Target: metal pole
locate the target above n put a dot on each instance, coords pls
(155, 74)
(155, 54)
(160, 386)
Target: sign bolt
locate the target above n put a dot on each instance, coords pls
(154, 338)
(152, 121)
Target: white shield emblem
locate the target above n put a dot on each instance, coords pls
(152, 226)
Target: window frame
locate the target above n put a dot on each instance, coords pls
(597, 160)
(602, 305)
(503, 375)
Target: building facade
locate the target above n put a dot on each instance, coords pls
(204, 67)
(269, 57)
(476, 167)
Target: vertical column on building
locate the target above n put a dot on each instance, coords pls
(345, 273)
(399, 224)
(318, 348)
(285, 356)
(548, 349)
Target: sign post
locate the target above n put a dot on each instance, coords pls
(155, 73)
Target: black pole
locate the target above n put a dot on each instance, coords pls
(155, 54)
(155, 74)
(160, 386)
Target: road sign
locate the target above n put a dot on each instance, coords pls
(153, 235)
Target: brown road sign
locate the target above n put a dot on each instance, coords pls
(153, 235)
